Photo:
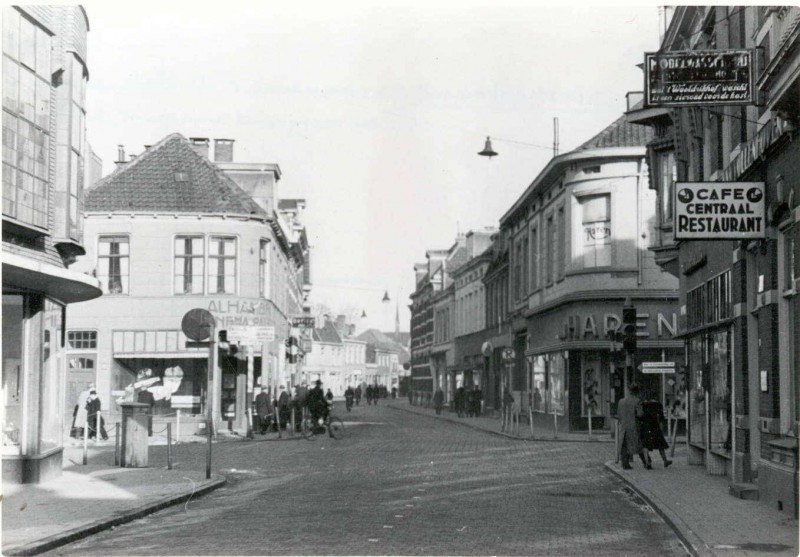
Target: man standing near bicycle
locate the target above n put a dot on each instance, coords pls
(317, 406)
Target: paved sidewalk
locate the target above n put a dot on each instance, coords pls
(91, 498)
(707, 518)
(710, 521)
(492, 424)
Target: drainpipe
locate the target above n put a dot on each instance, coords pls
(639, 257)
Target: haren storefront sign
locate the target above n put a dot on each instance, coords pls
(719, 210)
(697, 78)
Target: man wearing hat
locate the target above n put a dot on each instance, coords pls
(92, 411)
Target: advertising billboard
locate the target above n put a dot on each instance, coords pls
(697, 78)
(719, 210)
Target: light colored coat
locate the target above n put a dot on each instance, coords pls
(628, 410)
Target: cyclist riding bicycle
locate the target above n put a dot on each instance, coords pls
(317, 406)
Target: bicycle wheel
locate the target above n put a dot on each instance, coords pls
(336, 428)
(306, 429)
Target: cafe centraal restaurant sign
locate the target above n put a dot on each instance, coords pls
(702, 77)
(719, 210)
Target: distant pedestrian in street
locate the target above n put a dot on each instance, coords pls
(508, 401)
(629, 413)
(92, 411)
(475, 401)
(329, 396)
(461, 401)
(394, 392)
(376, 393)
(263, 411)
(652, 431)
(358, 395)
(438, 401)
(284, 409)
(369, 395)
(410, 396)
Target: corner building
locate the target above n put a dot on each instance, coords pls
(577, 241)
(44, 148)
(168, 232)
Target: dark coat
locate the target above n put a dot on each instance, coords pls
(629, 411)
(263, 405)
(438, 397)
(652, 434)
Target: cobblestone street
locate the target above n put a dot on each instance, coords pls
(398, 483)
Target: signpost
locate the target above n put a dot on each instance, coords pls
(657, 367)
(719, 210)
(699, 78)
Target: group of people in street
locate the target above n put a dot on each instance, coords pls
(641, 429)
(272, 414)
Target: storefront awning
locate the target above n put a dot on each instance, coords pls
(61, 284)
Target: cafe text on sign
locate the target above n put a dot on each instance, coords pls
(719, 210)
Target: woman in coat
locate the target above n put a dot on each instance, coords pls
(629, 412)
(652, 433)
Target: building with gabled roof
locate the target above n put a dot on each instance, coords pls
(169, 231)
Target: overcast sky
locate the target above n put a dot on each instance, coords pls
(374, 114)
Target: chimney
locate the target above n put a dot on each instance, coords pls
(223, 150)
(120, 156)
(200, 145)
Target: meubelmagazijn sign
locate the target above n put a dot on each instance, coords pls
(691, 78)
(719, 210)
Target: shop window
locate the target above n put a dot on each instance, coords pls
(13, 385)
(222, 265)
(113, 263)
(697, 409)
(189, 261)
(557, 383)
(596, 236)
(719, 360)
(591, 386)
(51, 400)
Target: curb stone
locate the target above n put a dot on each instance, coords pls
(693, 543)
(122, 517)
(500, 433)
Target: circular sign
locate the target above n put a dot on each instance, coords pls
(685, 195)
(197, 324)
(487, 349)
(509, 354)
(754, 195)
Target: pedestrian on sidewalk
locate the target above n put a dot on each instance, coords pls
(629, 413)
(652, 430)
(358, 395)
(461, 400)
(329, 396)
(284, 410)
(263, 411)
(438, 400)
(79, 415)
(477, 397)
(92, 410)
(369, 395)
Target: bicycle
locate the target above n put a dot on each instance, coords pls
(333, 425)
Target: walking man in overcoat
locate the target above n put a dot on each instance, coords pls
(629, 413)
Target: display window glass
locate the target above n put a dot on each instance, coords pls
(591, 386)
(557, 379)
(539, 384)
(51, 402)
(697, 408)
(13, 385)
(720, 394)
